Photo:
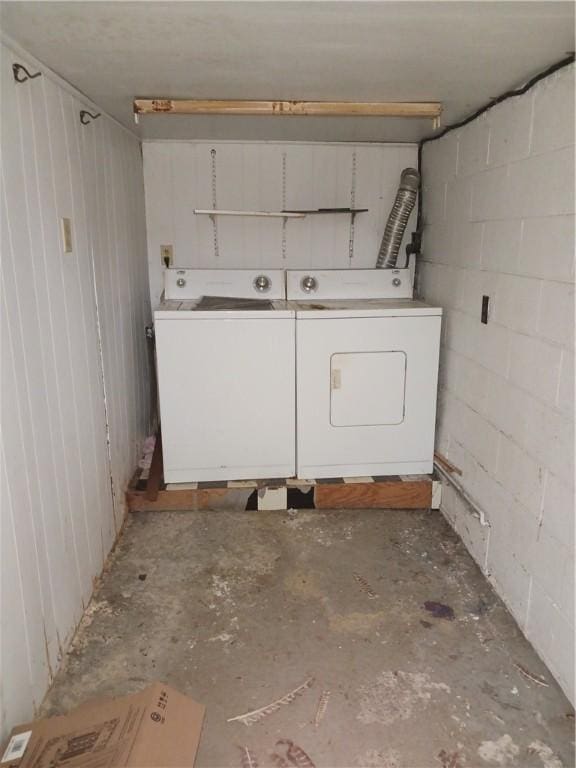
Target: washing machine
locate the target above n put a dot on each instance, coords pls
(366, 373)
(226, 370)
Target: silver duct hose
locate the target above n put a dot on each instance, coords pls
(398, 218)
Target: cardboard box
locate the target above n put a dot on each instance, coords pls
(156, 728)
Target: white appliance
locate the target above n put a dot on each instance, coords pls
(226, 372)
(367, 371)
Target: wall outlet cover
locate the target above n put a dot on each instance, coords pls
(66, 227)
(167, 255)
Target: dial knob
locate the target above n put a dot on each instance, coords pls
(262, 283)
(396, 282)
(309, 284)
(180, 282)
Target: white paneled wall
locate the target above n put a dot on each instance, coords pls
(114, 196)
(72, 327)
(179, 177)
(499, 221)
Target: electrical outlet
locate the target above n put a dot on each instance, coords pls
(485, 310)
(166, 255)
(66, 227)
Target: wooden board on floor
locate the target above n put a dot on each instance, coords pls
(167, 501)
(393, 494)
(156, 475)
(384, 493)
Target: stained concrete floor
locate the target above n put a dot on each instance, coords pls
(239, 608)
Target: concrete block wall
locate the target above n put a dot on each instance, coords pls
(499, 221)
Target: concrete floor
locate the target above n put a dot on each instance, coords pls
(239, 608)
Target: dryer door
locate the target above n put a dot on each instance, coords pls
(358, 381)
(366, 395)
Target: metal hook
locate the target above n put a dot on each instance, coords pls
(85, 114)
(17, 70)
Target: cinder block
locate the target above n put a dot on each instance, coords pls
(449, 370)
(491, 345)
(449, 505)
(434, 201)
(473, 382)
(535, 366)
(521, 475)
(460, 331)
(442, 439)
(510, 128)
(553, 125)
(450, 284)
(501, 246)
(552, 567)
(481, 439)
(436, 494)
(437, 242)
(443, 436)
(458, 199)
(439, 158)
(541, 185)
(473, 146)
(557, 313)
(505, 406)
(509, 577)
(566, 392)
(467, 243)
(517, 301)
(490, 199)
(492, 496)
(453, 416)
(272, 498)
(425, 271)
(473, 533)
(547, 248)
(517, 530)
(459, 455)
(549, 438)
(553, 637)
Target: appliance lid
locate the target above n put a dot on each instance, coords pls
(219, 303)
(357, 308)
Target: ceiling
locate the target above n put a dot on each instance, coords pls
(459, 53)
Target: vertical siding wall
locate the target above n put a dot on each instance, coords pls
(270, 177)
(499, 205)
(72, 328)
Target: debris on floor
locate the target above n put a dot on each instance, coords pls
(258, 714)
(241, 609)
(439, 610)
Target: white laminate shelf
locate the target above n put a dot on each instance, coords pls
(268, 214)
(278, 214)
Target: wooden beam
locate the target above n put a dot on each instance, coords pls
(166, 501)
(391, 493)
(431, 110)
(156, 472)
(447, 465)
(383, 495)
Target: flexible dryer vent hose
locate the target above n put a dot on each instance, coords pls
(398, 218)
